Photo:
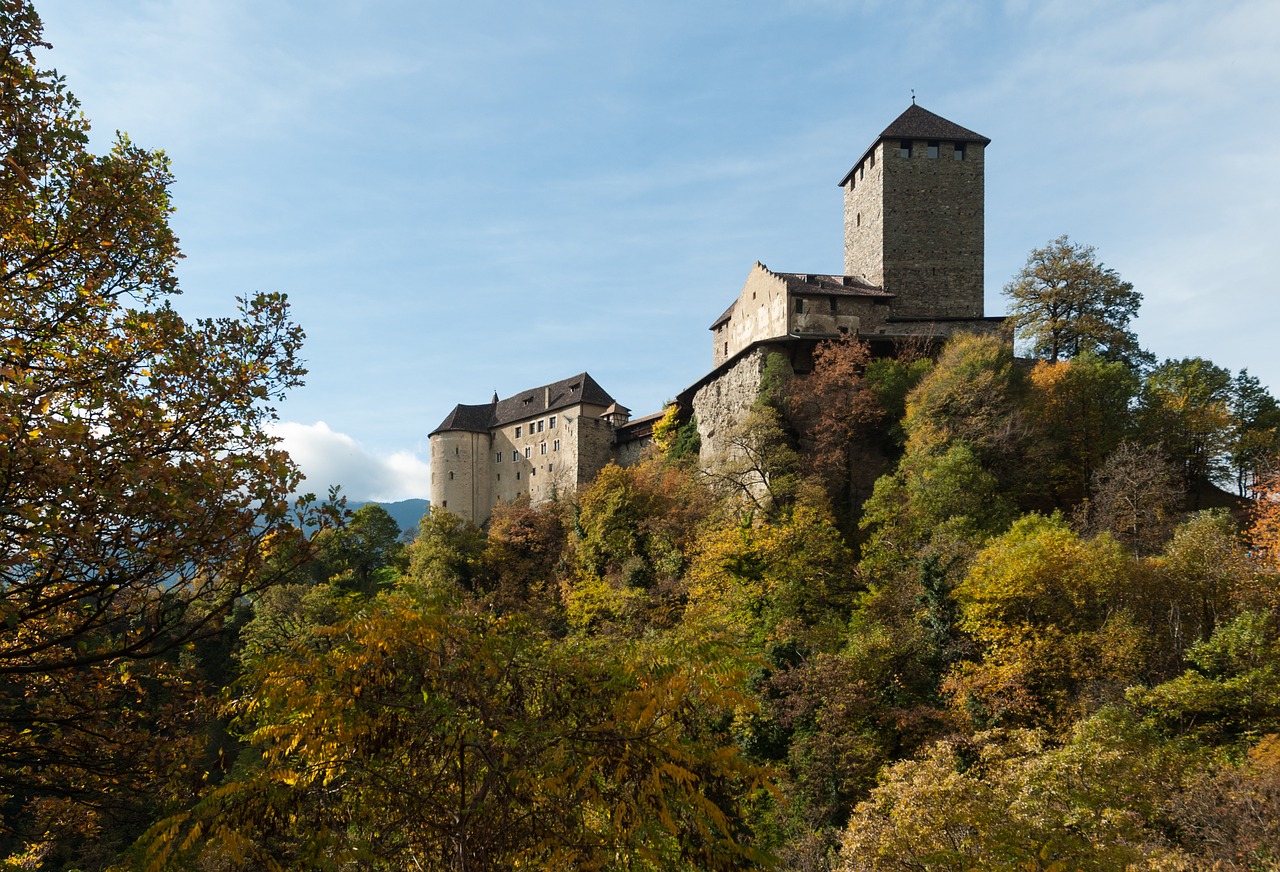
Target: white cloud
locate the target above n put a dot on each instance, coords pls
(327, 458)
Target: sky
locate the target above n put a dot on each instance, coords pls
(463, 198)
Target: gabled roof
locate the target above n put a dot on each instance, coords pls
(919, 123)
(812, 283)
(572, 391)
(837, 286)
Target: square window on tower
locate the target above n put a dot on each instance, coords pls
(958, 153)
(904, 148)
(933, 150)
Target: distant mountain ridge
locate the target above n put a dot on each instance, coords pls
(406, 513)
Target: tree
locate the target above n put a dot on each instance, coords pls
(1136, 497)
(359, 554)
(137, 484)
(1185, 405)
(1051, 614)
(972, 394)
(1256, 439)
(759, 465)
(1079, 413)
(1065, 302)
(1264, 527)
(432, 734)
(835, 411)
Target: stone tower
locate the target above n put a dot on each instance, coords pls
(913, 216)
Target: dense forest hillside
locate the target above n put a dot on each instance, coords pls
(949, 609)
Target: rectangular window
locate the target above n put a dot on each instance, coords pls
(543, 448)
(904, 148)
(499, 476)
(533, 471)
(552, 422)
(555, 445)
(933, 150)
(517, 432)
(517, 477)
(515, 455)
(451, 476)
(444, 504)
(526, 452)
(499, 458)
(958, 154)
(548, 467)
(540, 423)
(799, 306)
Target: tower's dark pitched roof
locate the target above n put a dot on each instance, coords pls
(919, 123)
(581, 388)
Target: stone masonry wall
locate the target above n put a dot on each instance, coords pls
(933, 230)
(722, 403)
(864, 219)
(759, 313)
(459, 473)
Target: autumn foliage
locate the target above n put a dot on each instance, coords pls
(949, 609)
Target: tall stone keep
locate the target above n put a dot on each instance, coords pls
(913, 216)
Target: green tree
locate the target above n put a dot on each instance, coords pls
(1064, 302)
(973, 394)
(1185, 406)
(137, 483)
(1078, 413)
(362, 554)
(760, 466)
(1051, 614)
(1256, 439)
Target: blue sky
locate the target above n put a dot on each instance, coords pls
(467, 197)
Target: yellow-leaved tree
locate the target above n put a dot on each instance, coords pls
(137, 484)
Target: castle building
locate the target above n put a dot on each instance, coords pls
(913, 271)
(539, 444)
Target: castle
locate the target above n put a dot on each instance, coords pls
(913, 268)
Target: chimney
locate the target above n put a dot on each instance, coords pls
(546, 397)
